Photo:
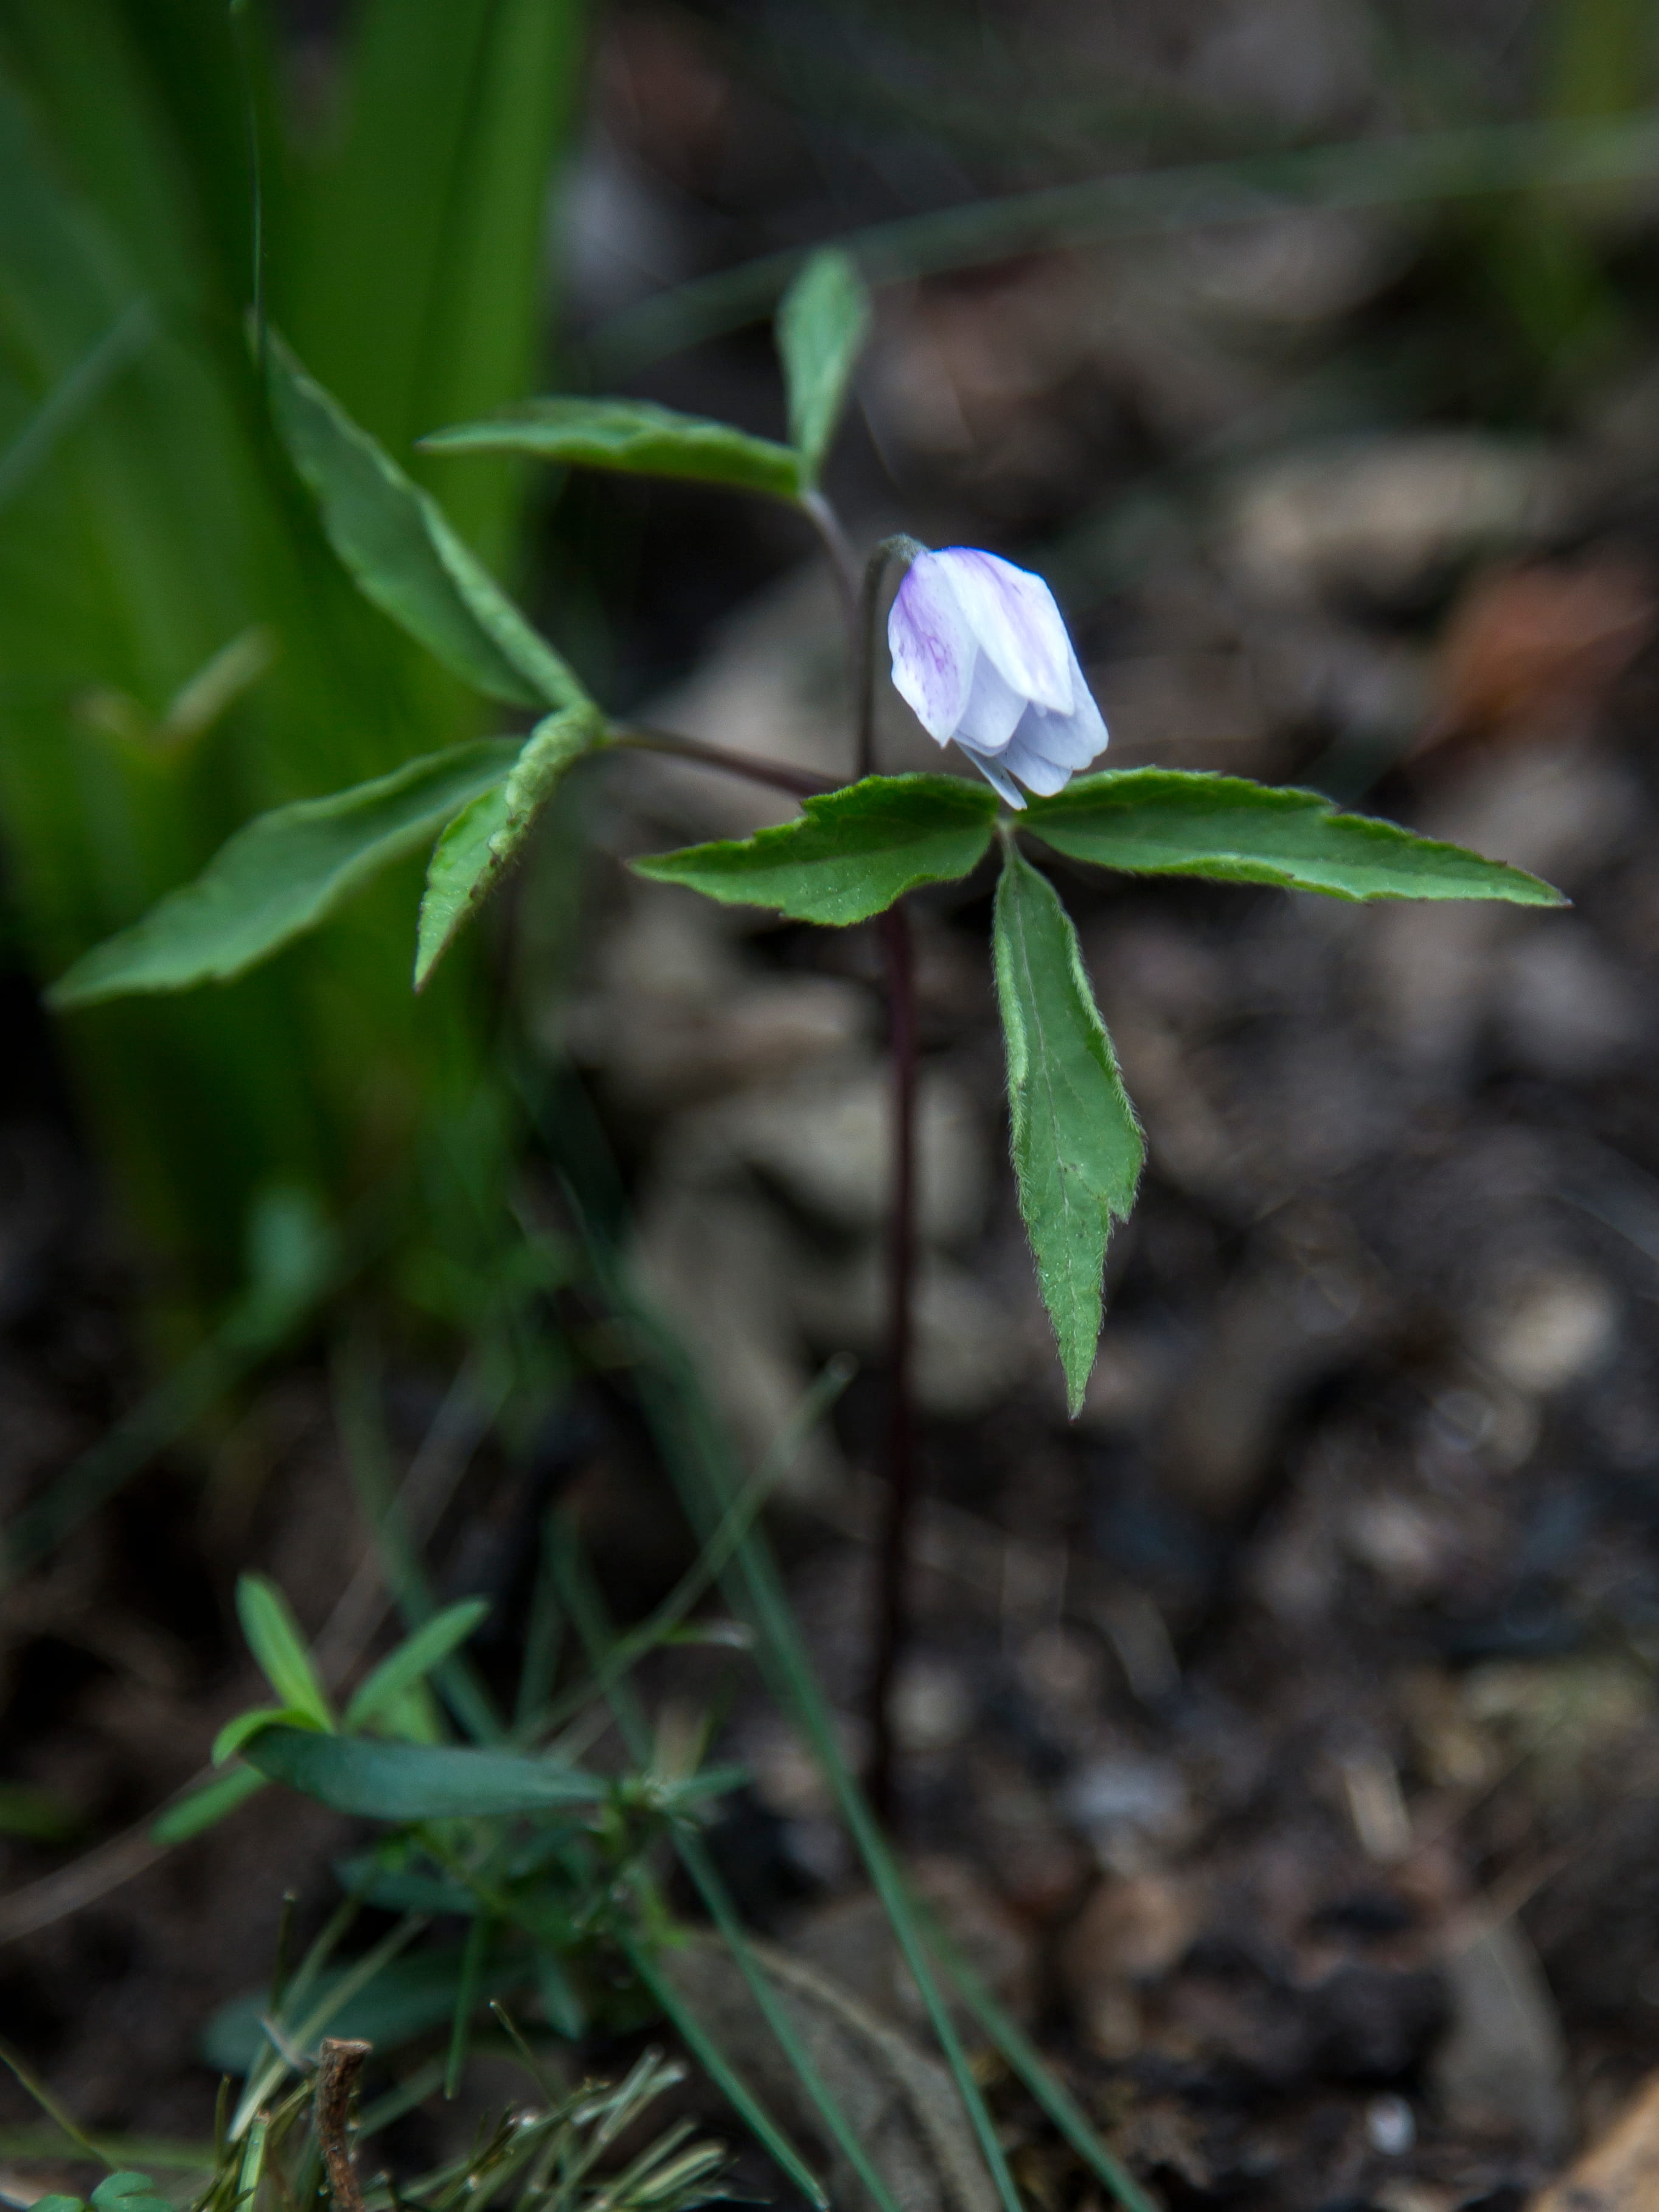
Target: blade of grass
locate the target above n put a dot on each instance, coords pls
(363, 1430)
(466, 1997)
(1025, 2060)
(542, 1641)
(697, 1464)
(621, 1655)
(76, 390)
(586, 1609)
(715, 2064)
(50, 2105)
(1425, 165)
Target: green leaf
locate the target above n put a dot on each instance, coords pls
(206, 1807)
(1077, 1145)
(823, 320)
(847, 855)
(404, 555)
(631, 435)
(1157, 821)
(417, 1782)
(244, 1727)
(561, 2005)
(406, 1998)
(280, 875)
(129, 2192)
(413, 1662)
(273, 1637)
(484, 839)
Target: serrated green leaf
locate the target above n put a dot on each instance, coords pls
(484, 839)
(1156, 821)
(274, 1638)
(411, 1662)
(1076, 1143)
(823, 320)
(54, 2202)
(206, 1807)
(631, 435)
(847, 855)
(403, 554)
(282, 874)
(244, 1727)
(417, 1782)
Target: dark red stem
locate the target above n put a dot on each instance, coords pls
(893, 1583)
(800, 782)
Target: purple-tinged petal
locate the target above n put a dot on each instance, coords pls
(933, 648)
(1013, 618)
(993, 771)
(1036, 772)
(993, 710)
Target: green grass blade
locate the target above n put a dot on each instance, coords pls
(74, 394)
(699, 1467)
(586, 1608)
(466, 1998)
(1025, 2060)
(719, 2070)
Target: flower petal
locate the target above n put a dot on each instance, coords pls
(991, 770)
(1047, 750)
(1012, 616)
(933, 647)
(993, 710)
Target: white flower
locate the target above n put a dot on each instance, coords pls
(979, 651)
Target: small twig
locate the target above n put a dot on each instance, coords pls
(799, 782)
(892, 1593)
(340, 2063)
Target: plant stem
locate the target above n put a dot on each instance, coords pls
(337, 2069)
(863, 641)
(799, 782)
(893, 1574)
(842, 559)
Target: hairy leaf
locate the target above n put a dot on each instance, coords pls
(404, 555)
(847, 855)
(412, 1661)
(823, 320)
(632, 436)
(282, 874)
(273, 1639)
(416, 1782)
(1156, 821)
(1077, 1146)
(485, 838)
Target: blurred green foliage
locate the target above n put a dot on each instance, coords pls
(179, 648)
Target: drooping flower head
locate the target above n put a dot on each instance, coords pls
(981, 652)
